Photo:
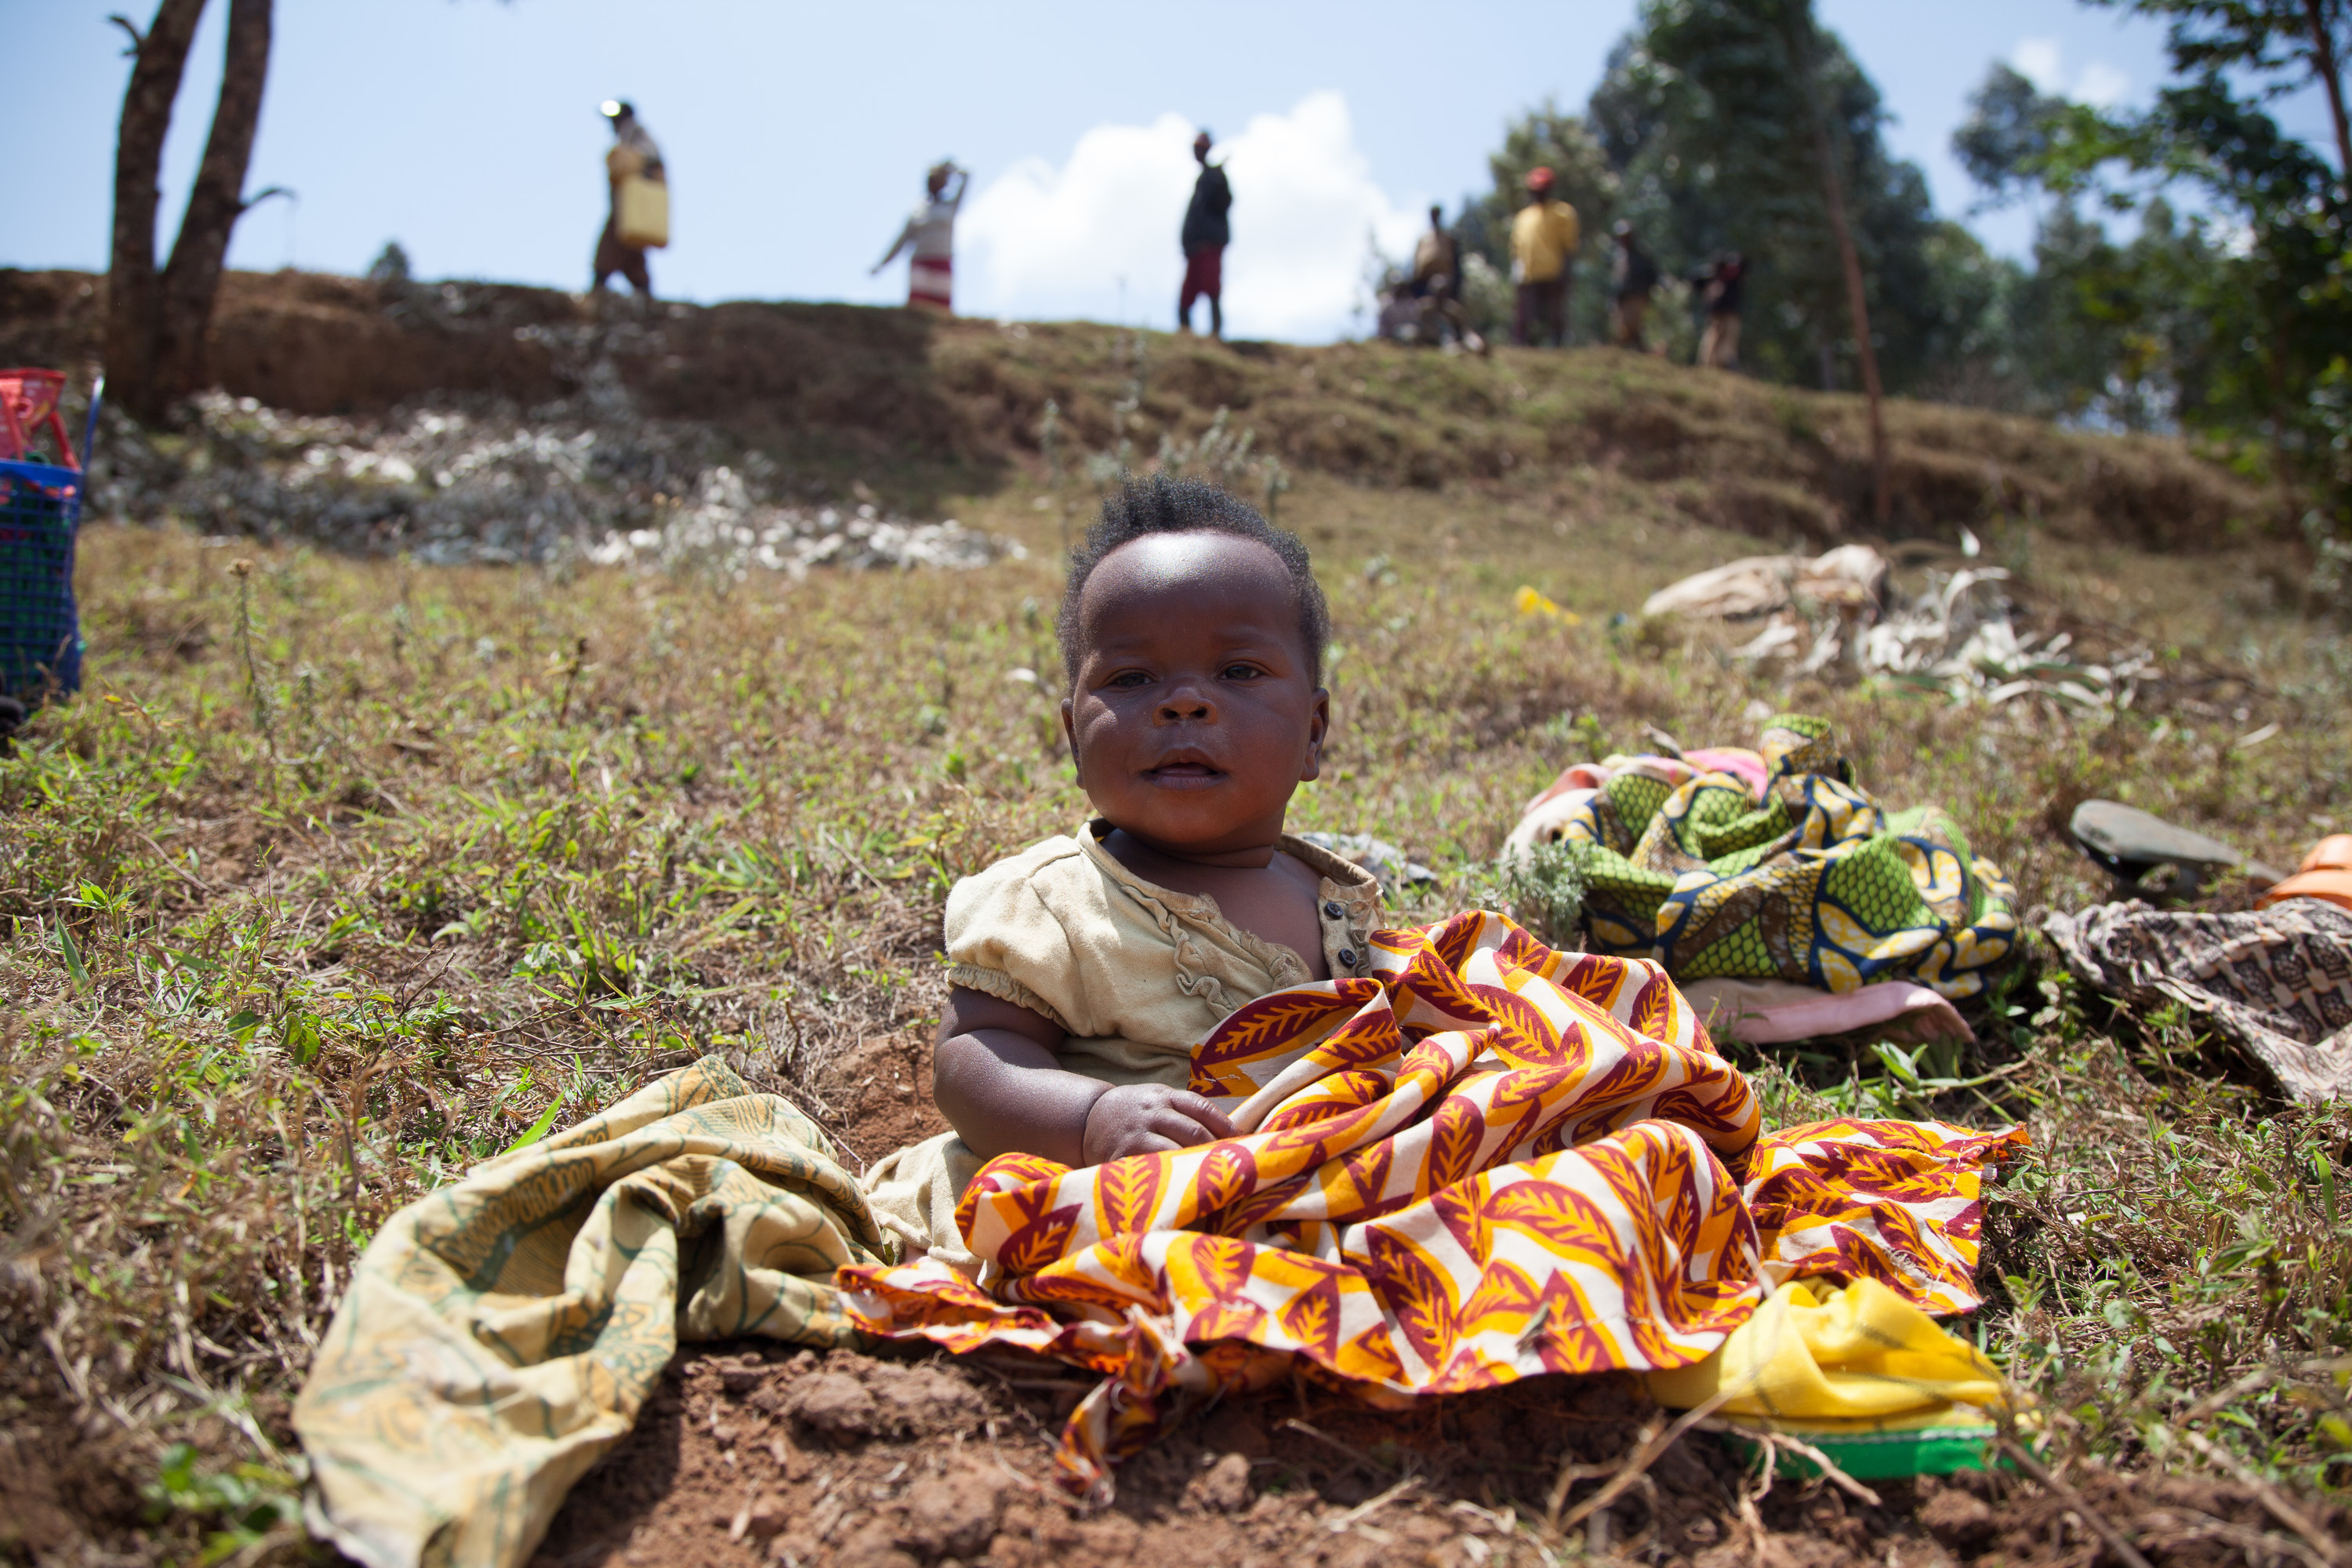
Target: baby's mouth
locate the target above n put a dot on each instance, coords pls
(1185, 775)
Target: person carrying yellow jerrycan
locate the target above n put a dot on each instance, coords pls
(639, 220)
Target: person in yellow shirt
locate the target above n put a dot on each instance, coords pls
(1543, 258)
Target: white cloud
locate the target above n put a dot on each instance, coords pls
(2042, 62)
(2101, 85)
(1054, 242)
(2036, 59)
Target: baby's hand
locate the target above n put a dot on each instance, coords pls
(1149, 1118)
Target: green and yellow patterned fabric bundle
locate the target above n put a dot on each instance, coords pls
(1818, 884)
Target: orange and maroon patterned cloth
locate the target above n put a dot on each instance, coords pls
(1485, 1162)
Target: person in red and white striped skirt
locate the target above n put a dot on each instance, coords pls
(930, 231)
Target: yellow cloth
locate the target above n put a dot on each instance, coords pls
(1860, 1355)
(1544, 239)
(499, 1334)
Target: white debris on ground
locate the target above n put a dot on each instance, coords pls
(580, 482)
(1959, 635)
(725, 530)
(1851, 575)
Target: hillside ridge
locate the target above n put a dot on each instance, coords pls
(929, 409)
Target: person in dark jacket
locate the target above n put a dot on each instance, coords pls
(1206, 234)
(1632, 278)
(1722, 291)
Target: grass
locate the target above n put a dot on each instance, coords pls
(345, 873)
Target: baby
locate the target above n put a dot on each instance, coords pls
(1087, 968)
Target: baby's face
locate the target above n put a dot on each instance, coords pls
(1195, 714)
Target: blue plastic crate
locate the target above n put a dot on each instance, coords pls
(40, 629)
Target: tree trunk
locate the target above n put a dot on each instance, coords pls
(1800, 34)
(133, 298)
(2330, 74)
(192, 277)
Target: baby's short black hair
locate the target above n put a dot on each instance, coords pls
(1140, 508)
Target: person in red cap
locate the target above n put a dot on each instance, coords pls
(1544, 237)
(1207, 232)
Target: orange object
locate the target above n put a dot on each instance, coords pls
(2326, 873)
(28, 401)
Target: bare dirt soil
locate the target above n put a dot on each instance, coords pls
(750, 1452)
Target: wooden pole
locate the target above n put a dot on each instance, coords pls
(1800, 34)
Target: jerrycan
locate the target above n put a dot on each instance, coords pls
(641, 212)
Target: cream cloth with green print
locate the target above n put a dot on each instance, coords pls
(1817, 884)
(500, 1335)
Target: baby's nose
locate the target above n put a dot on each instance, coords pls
(1180, 706)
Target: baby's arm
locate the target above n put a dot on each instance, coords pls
(998, 1082)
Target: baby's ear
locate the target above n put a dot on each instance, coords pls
(1319, 731)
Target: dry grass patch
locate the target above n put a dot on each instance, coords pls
(345, 873)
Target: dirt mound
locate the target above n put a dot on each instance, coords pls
(835, 393)
(753, 1453)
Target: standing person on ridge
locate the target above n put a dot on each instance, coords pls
(1544, 239)
(1206, 234)
(931, 230)
(1633, 277)
(1436, 282)
(1437, 261)
(633, 152)
(1723, 288)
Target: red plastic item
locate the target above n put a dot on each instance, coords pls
(28, 402)
(2326, 873)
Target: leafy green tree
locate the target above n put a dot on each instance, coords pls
(1702, 115)
(2115, 335)
(2006, 138)
(2235, 323)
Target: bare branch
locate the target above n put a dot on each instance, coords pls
(138, 38)
(262, 195)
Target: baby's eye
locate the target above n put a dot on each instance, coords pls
(1241, 672)
(1129, 678)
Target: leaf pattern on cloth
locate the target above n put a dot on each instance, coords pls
(1817, 884)
(1487, 1160)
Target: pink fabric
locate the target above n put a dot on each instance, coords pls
(1737, 761)
(1745, 765)
(1773, 1011)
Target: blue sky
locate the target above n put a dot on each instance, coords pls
(797, 133)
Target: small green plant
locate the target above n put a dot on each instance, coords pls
(259, 695)
(241, 1505)
(1545, 890)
